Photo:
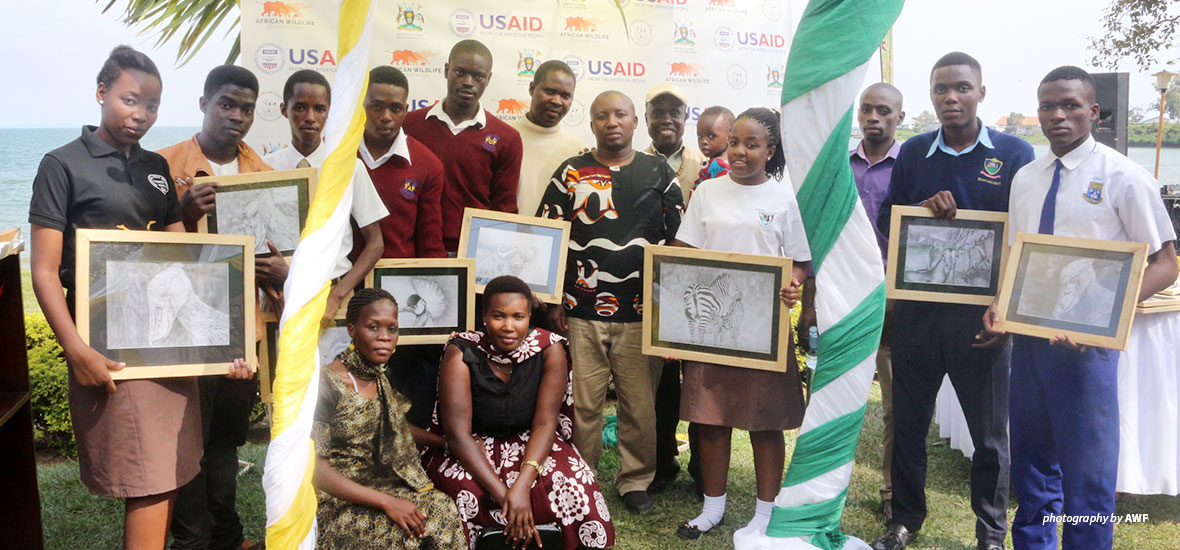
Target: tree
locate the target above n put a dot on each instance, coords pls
(195, 20)
(1015, 123)
(924, 120)
(1136, 29)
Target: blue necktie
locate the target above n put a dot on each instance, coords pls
(1049, 209)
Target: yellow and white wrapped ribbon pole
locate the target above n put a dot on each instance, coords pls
(290, 459)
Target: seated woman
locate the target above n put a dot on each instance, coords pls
(373, 492)
(511, 466)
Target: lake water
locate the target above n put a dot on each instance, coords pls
(21, 151)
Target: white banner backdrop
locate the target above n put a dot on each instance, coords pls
(720, 52)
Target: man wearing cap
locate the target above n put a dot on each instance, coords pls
(666, 113)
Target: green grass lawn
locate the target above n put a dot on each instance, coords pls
(74, 519)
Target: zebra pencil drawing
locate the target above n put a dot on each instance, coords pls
(713, 308)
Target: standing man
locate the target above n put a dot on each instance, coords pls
(618, 201)
(306, 100)
(409, 179)
(205, 515)
(1064, 401)
(480, 153)
(666, 112)
(962, 164)
(546, 143)
(872, 165)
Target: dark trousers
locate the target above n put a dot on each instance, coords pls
(1065, 443)
(413, 372)
(667, 418)
(205, 516)
(931, 340)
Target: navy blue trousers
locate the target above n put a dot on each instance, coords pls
(930, 340)
(1064, 413)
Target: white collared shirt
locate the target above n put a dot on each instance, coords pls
(479, 121)
(400, 147)
(367, 207)
(939, 145)
(1103, 195)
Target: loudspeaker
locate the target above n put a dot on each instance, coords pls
(1112, 94)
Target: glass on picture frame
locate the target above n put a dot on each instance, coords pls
(435, 296)
(270, 206)
(166, 303)
(532, 249)
(953, 261)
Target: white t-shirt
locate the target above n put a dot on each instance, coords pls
(1103, 195)
(228, 169)
(759, 219)
(367, 206)
(544, 151)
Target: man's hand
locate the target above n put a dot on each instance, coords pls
(241, 370)
(198, 201)
(335, 298)
(271, 269)
(91, 368)
(942, 204)
(1066, 342)
(791, 294)
(990, 336)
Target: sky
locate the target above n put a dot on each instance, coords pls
(57, 47)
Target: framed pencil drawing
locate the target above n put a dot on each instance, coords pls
(533, 249)
(333, 340)
(955, 261)
(166, 303)
(268, 205)
(717, 307)
(435, 297)
(1084, 288)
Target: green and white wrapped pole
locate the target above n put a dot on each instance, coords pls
(829, 57)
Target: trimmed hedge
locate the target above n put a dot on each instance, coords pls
(48, 387)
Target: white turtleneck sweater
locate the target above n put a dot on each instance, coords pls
(544, 151)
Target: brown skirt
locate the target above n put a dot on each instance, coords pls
(747, 399)
(144, 439)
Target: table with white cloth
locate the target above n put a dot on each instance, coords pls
(1149, 415)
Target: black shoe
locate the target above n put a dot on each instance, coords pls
(896, 537)
(989, 546)
(690, 532)
(637, 502)
(663, 479)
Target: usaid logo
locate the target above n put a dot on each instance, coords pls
(724, 39)
(269, 58)
(462, 23)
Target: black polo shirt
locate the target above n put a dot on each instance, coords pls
(89, 184)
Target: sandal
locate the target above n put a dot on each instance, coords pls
(692, 532)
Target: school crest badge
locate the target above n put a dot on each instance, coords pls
(1094, 192)
(159, 182)
(992, 166)
(765, 218)
(490, 141)
(409, 188)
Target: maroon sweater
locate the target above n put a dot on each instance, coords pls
(482, 166)
(412, 192)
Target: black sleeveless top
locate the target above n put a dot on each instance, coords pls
(499, 408)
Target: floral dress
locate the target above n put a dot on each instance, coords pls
(368, 441)
(566, 493)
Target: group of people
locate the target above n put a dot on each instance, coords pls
(498, 433)
(1042, 413)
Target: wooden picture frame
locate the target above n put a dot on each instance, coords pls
(268, 350)
(436, 296)
(970, 250)
(512, 244)
(1084, 288)
(698, 329)
(166, 310)
(302, 180)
